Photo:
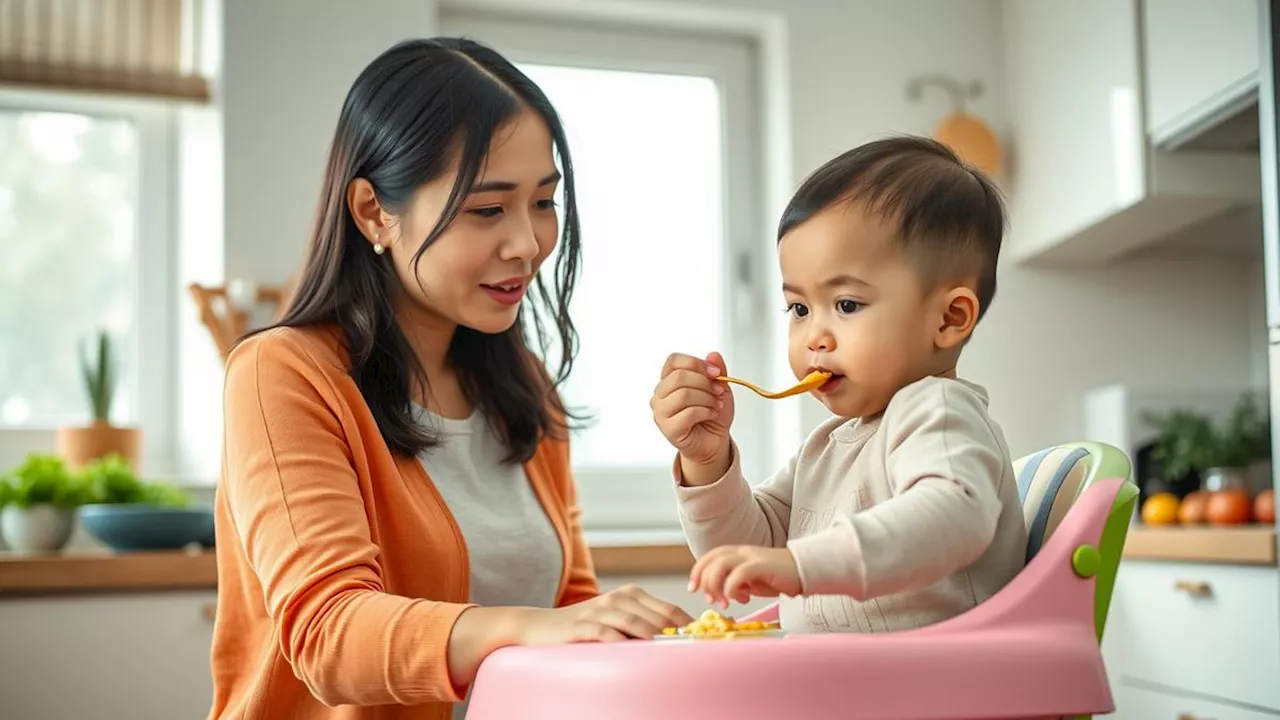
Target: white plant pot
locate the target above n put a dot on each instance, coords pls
(39, 528)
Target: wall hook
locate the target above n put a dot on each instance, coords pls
(959, 92)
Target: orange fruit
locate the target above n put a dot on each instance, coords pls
(1192, 509)
(1264, 507)
(1160, 509)
(1229, 507)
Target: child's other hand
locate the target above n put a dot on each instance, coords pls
(739, 572)
(694, 410)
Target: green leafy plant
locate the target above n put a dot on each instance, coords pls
(99, 378)
(111, 481)
(1247, 437)
(1188, 442)
(44, 480)
(164, 495)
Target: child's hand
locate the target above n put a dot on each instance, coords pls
(694, 411)
(738, 572)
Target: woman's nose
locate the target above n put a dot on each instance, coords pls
(522, 243)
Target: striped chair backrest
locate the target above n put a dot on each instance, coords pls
(1049, 482)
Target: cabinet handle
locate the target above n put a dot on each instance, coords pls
(1194, 589)
(1189, 716)
(210, 611)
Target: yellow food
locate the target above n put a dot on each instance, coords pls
(713, 624)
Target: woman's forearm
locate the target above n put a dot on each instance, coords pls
(479, 631)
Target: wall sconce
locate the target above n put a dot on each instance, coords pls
(966, 134)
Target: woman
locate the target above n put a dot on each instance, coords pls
(396, 500)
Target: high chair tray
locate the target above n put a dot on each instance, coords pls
(1029, 652)
(871, 677)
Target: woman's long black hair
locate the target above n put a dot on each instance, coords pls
(403, 117)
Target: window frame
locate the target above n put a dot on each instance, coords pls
(155, 244)
(630, 499)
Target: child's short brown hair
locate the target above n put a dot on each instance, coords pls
(950, 216)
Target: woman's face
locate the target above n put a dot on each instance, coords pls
(477, 271)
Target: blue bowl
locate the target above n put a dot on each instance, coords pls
(128, 526)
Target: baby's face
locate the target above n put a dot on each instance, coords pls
(857, 308)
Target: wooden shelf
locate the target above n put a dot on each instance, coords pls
(1244, 545)
(180, 570)
(110, 572)
(106, 572)
(642, 560)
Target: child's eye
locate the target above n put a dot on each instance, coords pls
(848, 307)
(548, 204)
(797, 310)
(487, 212)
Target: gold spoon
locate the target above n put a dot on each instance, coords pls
(811, 381)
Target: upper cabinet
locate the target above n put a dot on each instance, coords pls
(1201, 60)
(1088, 184)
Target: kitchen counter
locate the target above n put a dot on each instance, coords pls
(104, 571)
(1244, 545)
(117, 572)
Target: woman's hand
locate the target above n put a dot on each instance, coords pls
(627, 612)
(622, 614)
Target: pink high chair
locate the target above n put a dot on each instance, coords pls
(1028, 653)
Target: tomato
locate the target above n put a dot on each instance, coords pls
(1232, 506)
(1264, 507)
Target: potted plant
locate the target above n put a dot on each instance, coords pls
(40, 497)
(127, 513)
(1189, 443)
(79, 446)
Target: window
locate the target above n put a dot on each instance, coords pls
(68, 218)
(84, 247)
(666, 156)
(652, 276)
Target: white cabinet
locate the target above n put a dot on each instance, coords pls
(1085, 185)
(1182, 629)
(1141, 703)
(127, 656)
(1201, 69)
(1077, 130)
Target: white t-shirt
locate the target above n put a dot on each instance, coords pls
(512, 549)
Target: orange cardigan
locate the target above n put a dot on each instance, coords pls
(340, 569)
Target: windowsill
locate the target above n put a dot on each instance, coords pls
(646, 537)
(98, 571)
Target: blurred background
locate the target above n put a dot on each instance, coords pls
(160, 163)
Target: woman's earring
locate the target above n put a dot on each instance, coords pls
(377, 245)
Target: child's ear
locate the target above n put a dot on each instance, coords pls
(959, 314)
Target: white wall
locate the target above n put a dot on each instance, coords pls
(1260, 372)
(287, 67)
(284, 69)
(1051, 335)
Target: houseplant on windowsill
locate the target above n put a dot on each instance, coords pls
(127, 513)
(79, 446)
(39, 499)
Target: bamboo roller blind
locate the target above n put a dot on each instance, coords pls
(133, 47)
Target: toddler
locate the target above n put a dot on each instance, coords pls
(902, 510)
